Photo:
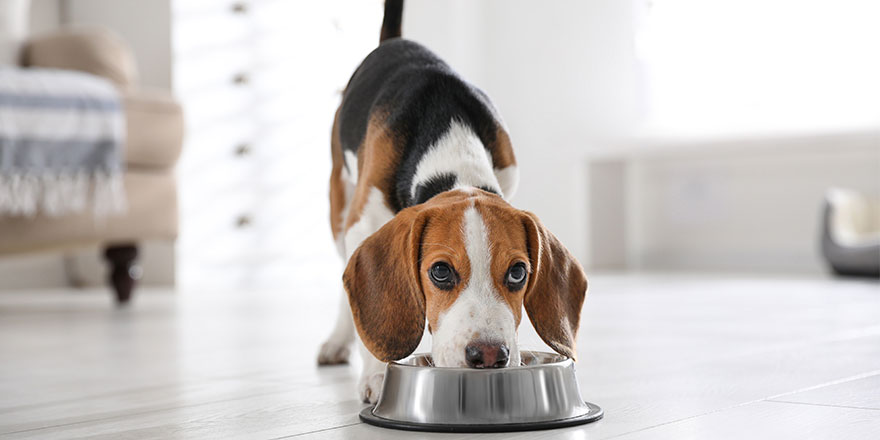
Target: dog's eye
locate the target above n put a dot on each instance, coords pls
(440, 272)
(442, 275)
(516, 275)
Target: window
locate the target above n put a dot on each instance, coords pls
(743, 67)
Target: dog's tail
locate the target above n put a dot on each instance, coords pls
(392, 21)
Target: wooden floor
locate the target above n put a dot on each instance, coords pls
(666, 357)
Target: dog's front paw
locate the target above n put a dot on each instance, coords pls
(370, 387)
(334, 353)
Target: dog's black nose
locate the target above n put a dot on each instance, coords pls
(486, 355)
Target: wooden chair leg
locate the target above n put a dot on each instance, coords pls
(124, 270)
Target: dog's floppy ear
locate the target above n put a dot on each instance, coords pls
(556, 289)
(384, 288)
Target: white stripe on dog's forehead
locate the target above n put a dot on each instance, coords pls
(476, 243)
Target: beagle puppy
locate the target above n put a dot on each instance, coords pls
(422, 168)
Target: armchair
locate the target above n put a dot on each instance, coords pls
(152, 146)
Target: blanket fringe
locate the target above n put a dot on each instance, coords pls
(61, 194)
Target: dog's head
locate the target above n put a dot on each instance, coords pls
(466, 262)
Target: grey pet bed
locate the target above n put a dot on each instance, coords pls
(851, 233)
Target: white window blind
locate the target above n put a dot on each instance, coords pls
(260, 82)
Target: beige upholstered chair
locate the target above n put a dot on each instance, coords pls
(153, 142)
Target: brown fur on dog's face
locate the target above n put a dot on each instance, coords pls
(479, 237)
(442, 242)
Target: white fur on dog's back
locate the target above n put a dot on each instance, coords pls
(458, 152)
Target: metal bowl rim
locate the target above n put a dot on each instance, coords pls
(594, 413)
(564, 361)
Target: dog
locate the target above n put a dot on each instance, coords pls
(422, 169)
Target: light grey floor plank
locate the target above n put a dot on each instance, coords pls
(859, 393)
(132, 403)
(771, 420)
(217, 410)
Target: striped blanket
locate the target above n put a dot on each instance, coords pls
(61, 135)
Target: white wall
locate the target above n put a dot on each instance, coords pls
(145, 25)
(45, 16)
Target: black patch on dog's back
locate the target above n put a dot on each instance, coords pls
(435, 185)
(490, 190)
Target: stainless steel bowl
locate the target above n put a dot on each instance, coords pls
(541, 394)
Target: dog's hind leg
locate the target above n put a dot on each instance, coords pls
(337, 348)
